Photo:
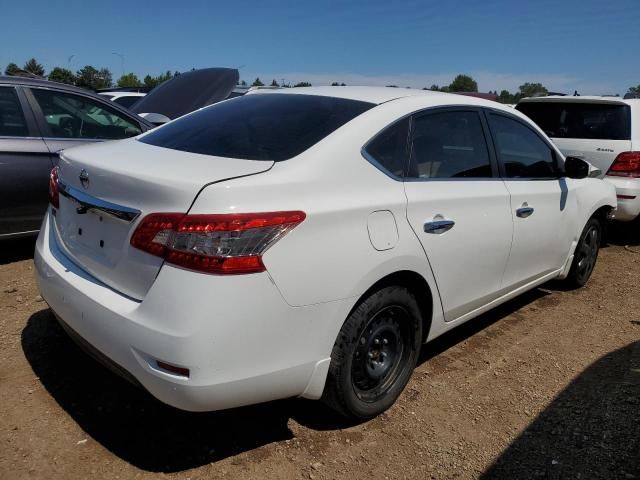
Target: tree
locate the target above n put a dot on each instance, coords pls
(129, 80)
(89, 77)
(32, 66)
(152, 82)
(243, 83)
(336, 84)
(12, 69)
(62, 75)
(257, 83)
(302, 84)
(274, 83)
(507, 97)
(532, 90)
(634, 91)
(434, 88)
(463, 83)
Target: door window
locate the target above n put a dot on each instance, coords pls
(522, 152)
(389, 148)
(74, 116)
(12, 122)
(449, 145)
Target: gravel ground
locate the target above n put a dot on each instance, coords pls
(546, 386)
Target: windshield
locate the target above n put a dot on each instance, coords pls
(259, 126)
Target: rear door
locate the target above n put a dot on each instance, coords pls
(24, 166)
(543, 204)
(596, 131)
(69, 119)
(458, 207)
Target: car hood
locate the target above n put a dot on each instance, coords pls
(188, 92)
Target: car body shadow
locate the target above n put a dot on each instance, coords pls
(590, 430)
(152, 436)
(624, 233)
(17, 249)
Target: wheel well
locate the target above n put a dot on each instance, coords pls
(602, 214)
(417, 285)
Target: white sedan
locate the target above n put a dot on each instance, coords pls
(307, 242)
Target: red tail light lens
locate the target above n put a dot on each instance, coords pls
(627, 164)
(54, 193)
(225, 243)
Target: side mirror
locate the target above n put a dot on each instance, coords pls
(156, 118)
(576, 168)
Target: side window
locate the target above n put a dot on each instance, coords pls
(74, 116)
(522, 152)
(389, 148)
(12, 122)
(449, 145)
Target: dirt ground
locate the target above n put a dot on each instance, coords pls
(546, 386)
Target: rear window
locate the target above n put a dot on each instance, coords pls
(127, 101)
(258, 127)
(600, 121)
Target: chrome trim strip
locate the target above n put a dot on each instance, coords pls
(89, 202)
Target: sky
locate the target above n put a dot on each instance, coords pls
(585, 45)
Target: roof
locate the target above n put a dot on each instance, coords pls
(375, 95)
(37, 82)
(581, 99)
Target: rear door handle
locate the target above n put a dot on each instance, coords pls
(524, 212)
(438, 226)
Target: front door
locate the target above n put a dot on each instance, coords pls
(459, 208)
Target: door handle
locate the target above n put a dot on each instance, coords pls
(438, 226)
(524, 212)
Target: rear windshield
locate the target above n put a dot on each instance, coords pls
(258, 127)
(580, 120)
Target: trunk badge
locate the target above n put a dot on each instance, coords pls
(84, 178)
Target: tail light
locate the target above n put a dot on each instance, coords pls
(54, 193)
(224, 243)
(627, 164)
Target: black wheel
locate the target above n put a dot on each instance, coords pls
(586, 254)
(374, 354)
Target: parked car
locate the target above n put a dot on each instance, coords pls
(307, 242)
(125, 99)
(602, 130)
(39, 118)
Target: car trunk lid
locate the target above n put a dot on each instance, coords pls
(107, 189)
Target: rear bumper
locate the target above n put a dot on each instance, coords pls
(241, 342)
(628, 193)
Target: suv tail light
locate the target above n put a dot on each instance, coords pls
(54, 192)
(218, 243)
(627, 164)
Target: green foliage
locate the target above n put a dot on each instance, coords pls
(257, 83)
(62, 75)
(634, 90)
(302, 84)
(32, 66)
(152, 82)
(11, 69)
(89, 77)
(507, 97)
(463, 83)
(336, 84)
(274, 83)
(532, 89)
(129, 80)
(434, 88)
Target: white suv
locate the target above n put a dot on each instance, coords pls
(306, 242)
(605, 131)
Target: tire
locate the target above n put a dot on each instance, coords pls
(585, 255)
(375, 354)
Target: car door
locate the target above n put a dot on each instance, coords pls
(24, 166)
(543, 203)
(458, 207)
(69, 119)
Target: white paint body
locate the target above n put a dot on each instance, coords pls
(258, 337)
(602, 152)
